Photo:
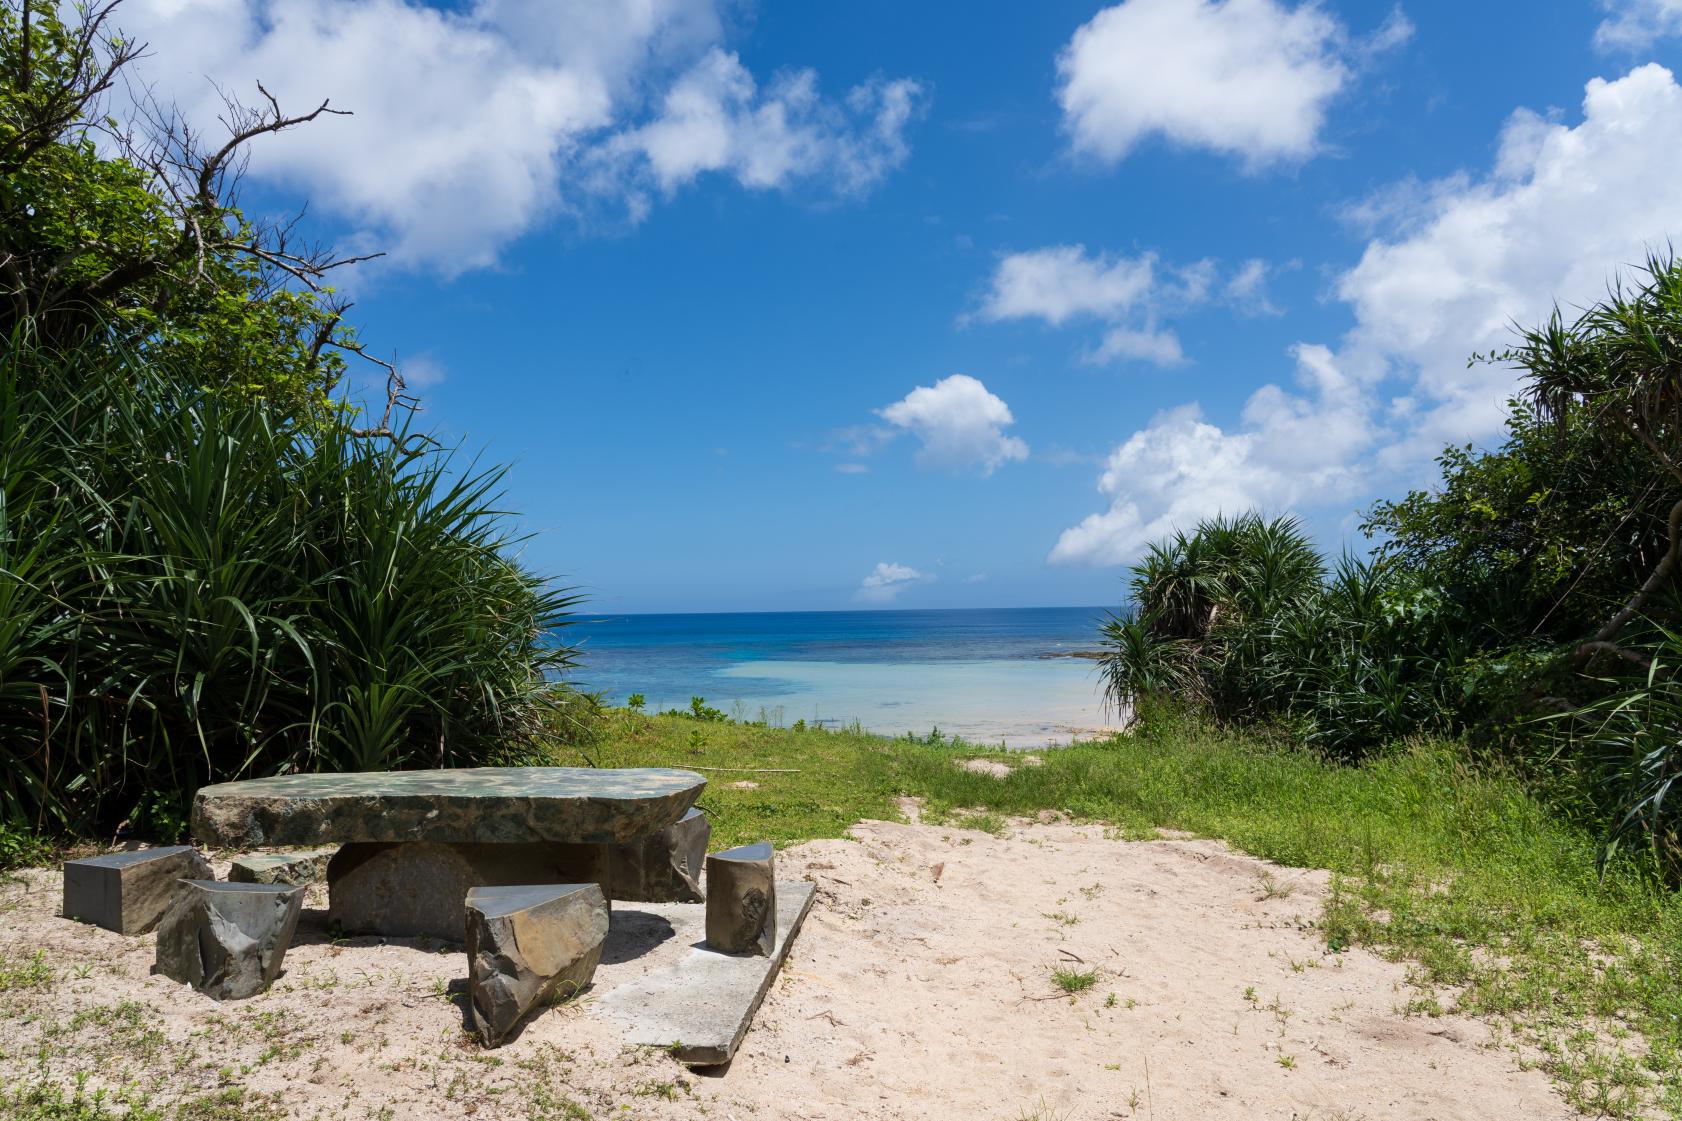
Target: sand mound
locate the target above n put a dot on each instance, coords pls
(991, 767)
(921, 987)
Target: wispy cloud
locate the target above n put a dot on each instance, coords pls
(887, 580)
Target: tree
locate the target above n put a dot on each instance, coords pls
(133, 231)
(1617, 369)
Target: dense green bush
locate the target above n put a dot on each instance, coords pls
(1243, 616)
(1530, 600)
(199, 589)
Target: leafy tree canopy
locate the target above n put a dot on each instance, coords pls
(132, 231)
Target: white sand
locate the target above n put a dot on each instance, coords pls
(920, 987)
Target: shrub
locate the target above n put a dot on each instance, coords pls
(198, 589)
(1242, 617)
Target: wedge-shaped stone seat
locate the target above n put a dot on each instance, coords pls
(128, 892)
(295, 868)
(665, 867)
(228, 940)
(526, 944)
(742, 900)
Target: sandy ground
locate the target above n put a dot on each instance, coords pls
(920, 987)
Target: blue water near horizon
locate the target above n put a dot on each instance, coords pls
(989, 674)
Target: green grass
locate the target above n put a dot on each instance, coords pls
(46, 1101)
(1074, 981)
(31, 972)
(1493, 897)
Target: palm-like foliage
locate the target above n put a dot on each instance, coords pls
(196, 590)
(1620, 365)
(1629, 743)
(1241, 615)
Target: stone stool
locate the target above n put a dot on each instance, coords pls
(228, 940)
(294, 868)
(742, 900)
(527, 943)
(128, 892)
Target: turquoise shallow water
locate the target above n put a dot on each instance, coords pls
(988, 675)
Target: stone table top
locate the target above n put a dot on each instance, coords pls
(469, 804)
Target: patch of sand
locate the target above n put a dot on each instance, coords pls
(920, 987)
(991, 767)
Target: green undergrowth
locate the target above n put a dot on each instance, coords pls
(1492, 897)
(47, 1101)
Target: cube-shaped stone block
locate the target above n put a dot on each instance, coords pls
(128, 892)
(228, 940)
(526, 944)
(665, 867)
(742, 900)
(305, 867)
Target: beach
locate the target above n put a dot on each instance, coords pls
(1020, 678)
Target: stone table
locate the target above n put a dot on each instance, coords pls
(486, 805)
(414, 842)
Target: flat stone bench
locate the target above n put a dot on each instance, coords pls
(414, 842)
(485, 805)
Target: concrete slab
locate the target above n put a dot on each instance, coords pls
(699, 1005)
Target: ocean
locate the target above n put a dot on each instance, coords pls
(992, 676)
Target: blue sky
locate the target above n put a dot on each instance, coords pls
(813, 306)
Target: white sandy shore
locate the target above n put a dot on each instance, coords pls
(920, 988)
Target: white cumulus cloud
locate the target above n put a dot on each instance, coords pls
(960, 423)
(715, 119)
(1562, 212)
(1132, 295)
(1061, 281)
(1249, 78)
(887, 580)
(1180, 468)
(1636, 24)
(475, 123)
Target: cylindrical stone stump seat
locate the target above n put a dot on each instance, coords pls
(742, 900)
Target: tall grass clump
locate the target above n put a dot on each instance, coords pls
(198, 588)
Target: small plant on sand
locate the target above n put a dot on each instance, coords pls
(1271, 888)
(1074, 981)
(30, 973)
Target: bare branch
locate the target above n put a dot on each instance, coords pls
(396, 397)
(1602, 639)
(256, 124)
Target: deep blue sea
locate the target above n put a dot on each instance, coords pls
(990, 675)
